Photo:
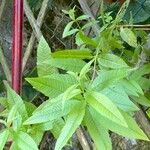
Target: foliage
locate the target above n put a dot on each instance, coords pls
(96, 86)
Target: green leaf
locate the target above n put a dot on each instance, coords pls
(144, 83)
(37, 134)
(118, 96)
(112, 61)
(141, 99)
(12, 114)
(73, 121)
(73, 53)
(69, 64)
(43, 54)
(3, 102)
(3, 138)
(143, 70)
(132, 131)
(71, 92)
(17, 122)
(128, 36)
(57, 127)
(107, 78)
(68, 31)
(105, 107)
(25, 142)
(51, 111)
(83, 17)
(98, 133)
(52, 85)
(131, 87)
(86, 69)
(87, 40)
(15, 99)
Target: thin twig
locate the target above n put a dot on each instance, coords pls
(135, 25)
(82, 139)
(3, 4)
(5, 66)
(87, 11)
(39, 23)
(32, 21)
(2, 57)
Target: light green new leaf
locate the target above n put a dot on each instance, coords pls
(51, 111)
(71, 92)
(43, 54)
(17, 122)
(69, 64)
(12, 114)
(73, 121)
(52, 85)
(105, 107)
(86, 69)
(3, 138)
(83, 17)
(128, 36)
(15, 99)
(4, 102)
(98, 133)
(25, 142)
(57, 127)
(107, 78)
(119, 97)
(132, 131)
(68, 31)
(73, 53)
(112, 61)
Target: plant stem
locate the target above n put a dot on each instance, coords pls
(17, 45)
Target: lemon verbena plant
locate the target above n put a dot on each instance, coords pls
(97, 86)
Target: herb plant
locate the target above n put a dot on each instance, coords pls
(94, 86)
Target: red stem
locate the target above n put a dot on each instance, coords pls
(17, 45)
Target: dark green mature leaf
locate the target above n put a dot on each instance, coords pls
(52, 85)
(128, 36)
(119, 97)
(3, 138)
(73, 121)
(107, 78)
(73, 53)
(131, 87)
(105, 107)
(51, 111)
(25, 142)
(44, 54)
(86, 40)
(144, 83)
(111, 61)
(140, 11)
(143, 70)
(69, 64)
(141, 99)
(132, 131)
(98, 133)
